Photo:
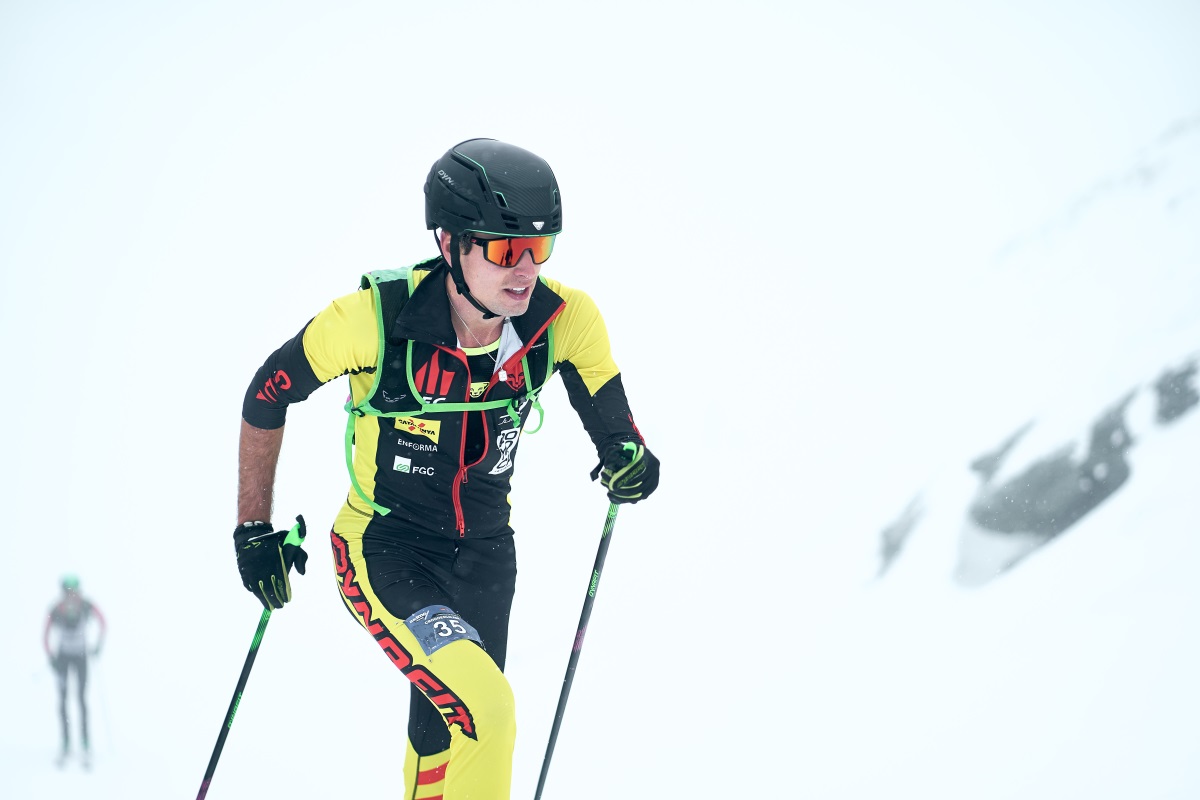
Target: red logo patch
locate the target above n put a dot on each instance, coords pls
(433, 380)
(516, 378)
(279, 382)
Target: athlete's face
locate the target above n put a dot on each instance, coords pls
(504, 290)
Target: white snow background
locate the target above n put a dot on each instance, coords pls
(842, 249)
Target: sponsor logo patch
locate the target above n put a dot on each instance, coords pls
(516, 378)
(432, 380)
(430, 429)
(505, 443)
(274, 385)
(420, 447)
(404, 464)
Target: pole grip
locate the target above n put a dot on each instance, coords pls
(291, 548)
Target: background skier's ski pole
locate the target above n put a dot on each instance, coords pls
(295, 537)
(605, 538)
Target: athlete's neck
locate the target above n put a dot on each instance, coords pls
(470, 326)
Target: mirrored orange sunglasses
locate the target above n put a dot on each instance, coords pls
(506, 252)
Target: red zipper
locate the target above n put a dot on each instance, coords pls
(460, 478)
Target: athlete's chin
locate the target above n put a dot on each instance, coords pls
(514, 305)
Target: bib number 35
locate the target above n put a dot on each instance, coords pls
(437, 626)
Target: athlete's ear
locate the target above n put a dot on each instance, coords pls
(444, 240)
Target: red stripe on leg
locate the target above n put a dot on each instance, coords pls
(431, 775)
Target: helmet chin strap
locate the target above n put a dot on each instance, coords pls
(460, 280)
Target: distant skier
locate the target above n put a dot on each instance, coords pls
(68, 619)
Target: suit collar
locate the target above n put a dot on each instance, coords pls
(426, 315)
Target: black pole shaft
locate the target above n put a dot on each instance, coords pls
(233, 704)
(605, 539)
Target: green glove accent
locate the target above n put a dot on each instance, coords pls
(628, 470)
(265, 557)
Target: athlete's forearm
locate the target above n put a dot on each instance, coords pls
(258, 455)
(605, 415)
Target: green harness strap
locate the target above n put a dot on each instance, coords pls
(364, 407)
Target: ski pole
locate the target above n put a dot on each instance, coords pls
(605, 539)
(295, 537)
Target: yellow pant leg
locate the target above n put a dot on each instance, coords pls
(460, 679)
(425, 776)
(481, 765)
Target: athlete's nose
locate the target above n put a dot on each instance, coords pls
(525, 266)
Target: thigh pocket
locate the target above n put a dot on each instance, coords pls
(437, 626)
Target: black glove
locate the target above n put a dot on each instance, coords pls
(628, 470)
(265, 556)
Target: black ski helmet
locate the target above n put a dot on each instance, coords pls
(487, 186)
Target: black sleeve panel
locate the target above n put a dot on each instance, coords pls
(285, 377)
(606, 414)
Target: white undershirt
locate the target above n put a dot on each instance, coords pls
(510, 343)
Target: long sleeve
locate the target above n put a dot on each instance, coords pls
(341, 340)
(583, 356)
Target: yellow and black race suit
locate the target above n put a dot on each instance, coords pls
(422, 546)
(444, 473)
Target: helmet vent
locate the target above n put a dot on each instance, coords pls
(500, 201)
(510, 221)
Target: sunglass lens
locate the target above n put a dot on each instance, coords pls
(507, 252)
(541, 247)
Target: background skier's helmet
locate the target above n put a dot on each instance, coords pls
(487, 186)
(70, 583)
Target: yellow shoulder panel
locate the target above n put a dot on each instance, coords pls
(581, 338)
(344, 337)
